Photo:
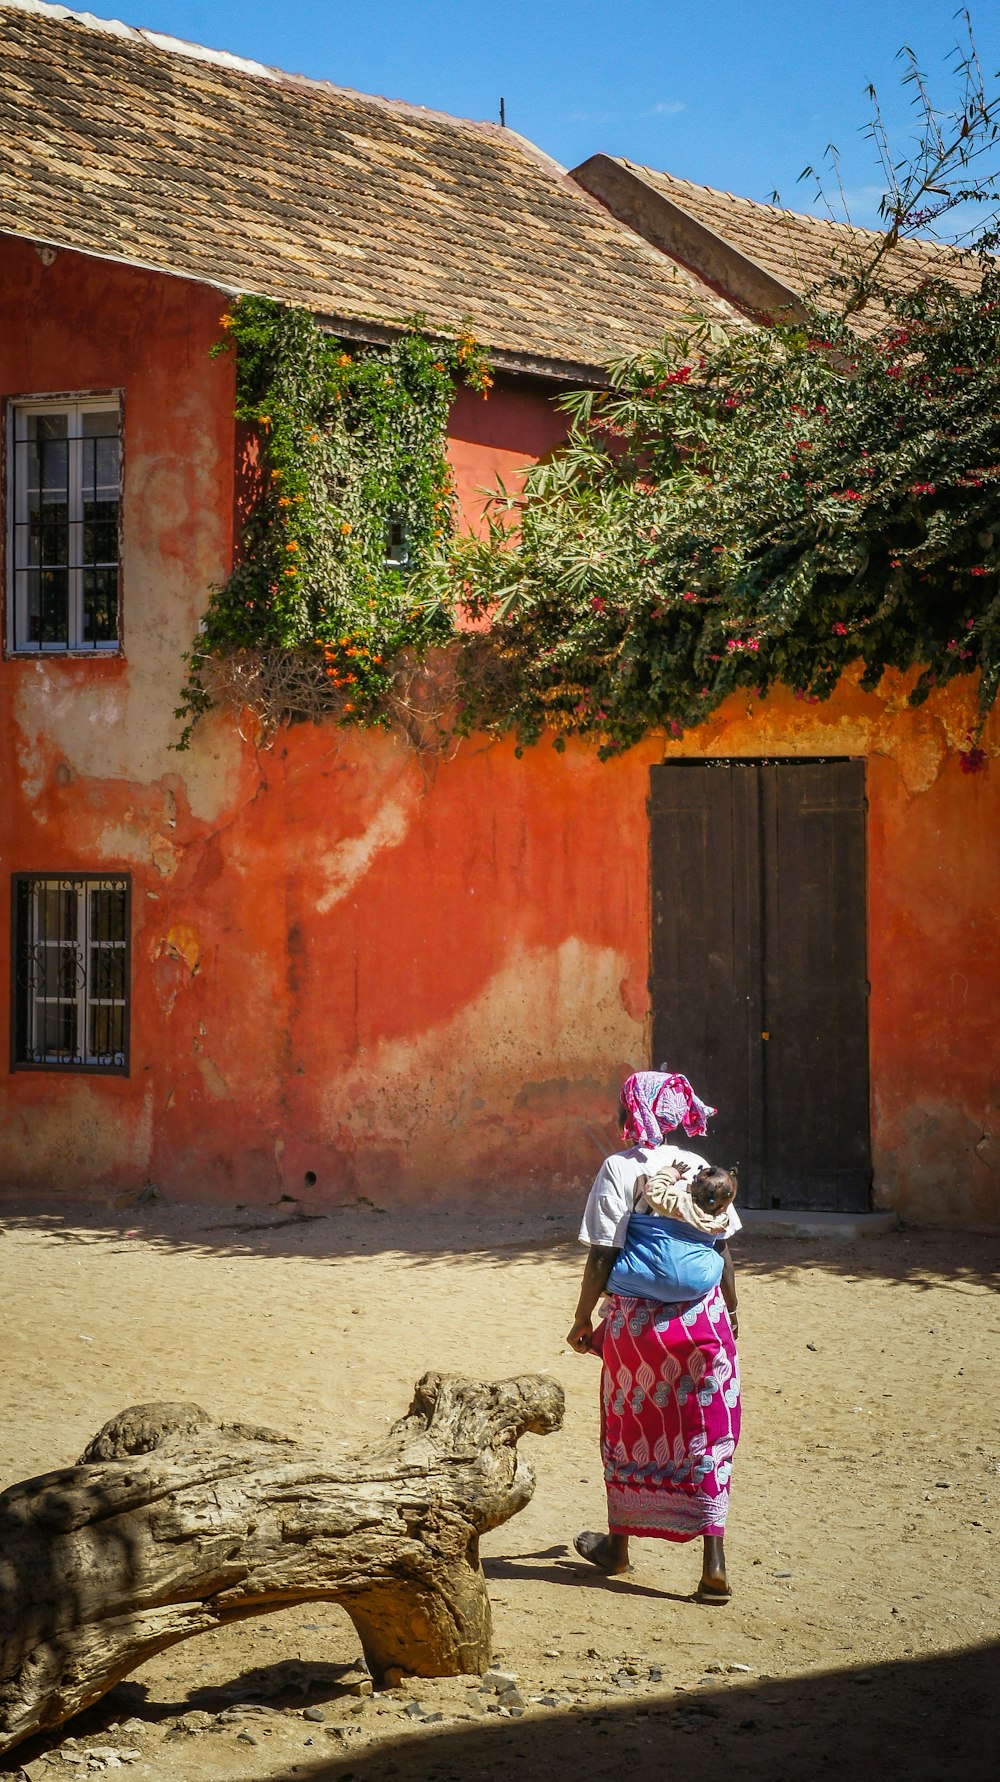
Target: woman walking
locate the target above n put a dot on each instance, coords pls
(670, 1387)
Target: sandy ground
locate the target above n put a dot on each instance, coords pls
(862, 1636)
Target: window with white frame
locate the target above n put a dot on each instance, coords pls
(63, 508)
(70, 975)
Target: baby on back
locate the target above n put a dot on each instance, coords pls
(701, 1202)
(672, 1243)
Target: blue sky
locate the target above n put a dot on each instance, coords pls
(740, 94)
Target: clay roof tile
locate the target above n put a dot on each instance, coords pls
(130, 145)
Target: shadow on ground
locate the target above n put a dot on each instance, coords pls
(933, 1720)
(964, 1261)
(927, 1720)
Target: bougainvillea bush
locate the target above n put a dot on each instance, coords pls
(747, 508)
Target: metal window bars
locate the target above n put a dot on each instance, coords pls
(397, 543)
(65, 501)
(71, 972)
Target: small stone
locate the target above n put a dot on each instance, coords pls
(316, 1714)
(245, 1738)
(197, 1720)
(623, 1680)
(429, 1719)
(546, 1701)
(942, 1484)
(346, 1735)
(716, 1667)
(655, 1674)
(360, 1686)
(745, 1668)
(511, 1698)
(516, 1713)
(552, 1655)
(811, 1346)
(781, 1574)
(500, 1680)
(132, 1726)
(413, 1711)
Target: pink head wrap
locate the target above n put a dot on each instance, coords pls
(658, 1102)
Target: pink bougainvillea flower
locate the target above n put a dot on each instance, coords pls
(598, 603)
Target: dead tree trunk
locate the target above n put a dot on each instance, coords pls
(172, 1524)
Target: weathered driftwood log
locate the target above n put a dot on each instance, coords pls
(172, 1524)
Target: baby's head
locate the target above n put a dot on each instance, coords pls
(713, 1189)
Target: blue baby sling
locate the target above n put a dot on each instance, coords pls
(665, 1259)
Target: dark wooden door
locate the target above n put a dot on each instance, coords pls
(759, 974)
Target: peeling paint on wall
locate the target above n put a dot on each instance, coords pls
(346, 864)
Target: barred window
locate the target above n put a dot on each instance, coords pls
(397, 543)
(63, 511)
(71, 972)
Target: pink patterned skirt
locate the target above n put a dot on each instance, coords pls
(670, 1415)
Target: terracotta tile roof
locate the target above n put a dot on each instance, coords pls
(133, 146)
(806, 252)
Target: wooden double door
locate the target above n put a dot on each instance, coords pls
(759, 972)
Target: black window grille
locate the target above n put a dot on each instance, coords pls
(398, 554)
(71, 972)
(65, 499)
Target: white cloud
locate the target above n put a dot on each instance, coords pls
(667, 108)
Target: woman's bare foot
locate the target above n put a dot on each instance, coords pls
(714, 1585)
(609, 1552)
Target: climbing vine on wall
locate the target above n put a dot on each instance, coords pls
(341, 575)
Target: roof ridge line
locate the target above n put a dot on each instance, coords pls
(784, 210)
(198, 52)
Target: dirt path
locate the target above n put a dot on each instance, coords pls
(862, 1538)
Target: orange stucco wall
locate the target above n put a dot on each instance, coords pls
(349, 968)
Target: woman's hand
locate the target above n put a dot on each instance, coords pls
(598, 1268)
(581, 1337)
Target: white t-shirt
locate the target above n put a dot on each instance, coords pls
(613, 1195)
